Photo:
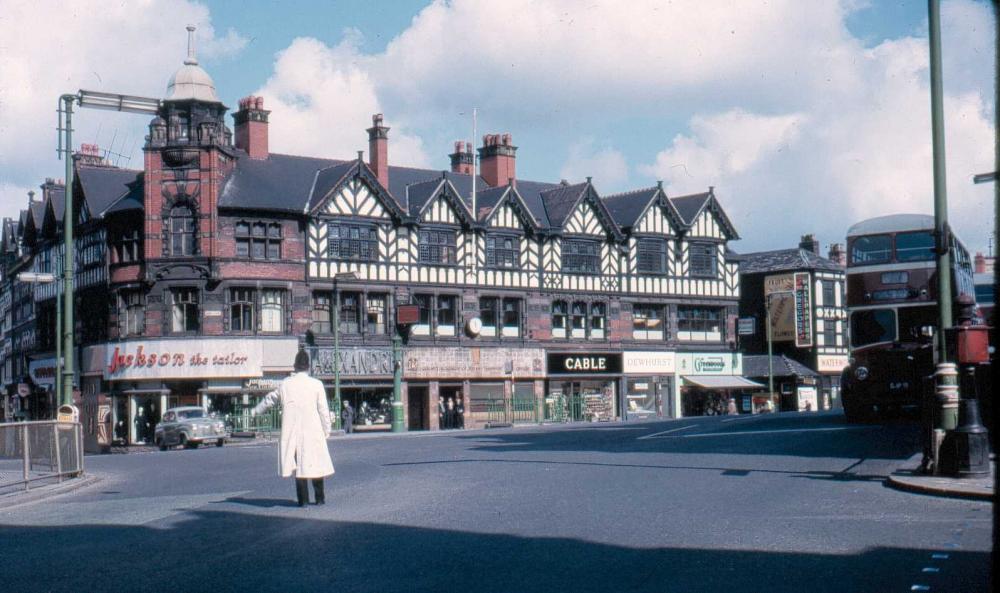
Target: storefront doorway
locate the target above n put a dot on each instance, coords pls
(453, 415)
(145, 415)
(417, 408)
(372, 407)
(576, 401)
(646, 397)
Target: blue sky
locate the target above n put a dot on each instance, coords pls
(806, 117)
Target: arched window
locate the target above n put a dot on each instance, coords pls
(182, 230)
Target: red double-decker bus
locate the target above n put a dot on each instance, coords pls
(892, 311)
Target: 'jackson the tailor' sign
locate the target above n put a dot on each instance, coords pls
(584, 363)
(183, 359)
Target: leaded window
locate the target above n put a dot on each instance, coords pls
(580, 256)
(357, 242)
(651, 256)
(503, 251)
(702, 260)
(437, 246)
(258, 240)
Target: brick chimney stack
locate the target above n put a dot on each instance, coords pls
(251, 127)
(90, 156)
(378, 149)
(809, 243)
(837, 254)
(461, 159)
(496, 159)
(979, 263)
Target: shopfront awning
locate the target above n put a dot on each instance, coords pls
(720, 382)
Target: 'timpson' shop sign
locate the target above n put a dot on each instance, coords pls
(183, 359)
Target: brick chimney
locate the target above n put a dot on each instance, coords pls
(378, 149)
(837, 254)
(496, 159)
(809, 243)
(251, 127)
(461, 159)
(90, 156)
(979, 263)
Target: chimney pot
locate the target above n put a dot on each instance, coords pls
(496, 159)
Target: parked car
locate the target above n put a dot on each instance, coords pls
(189, 427)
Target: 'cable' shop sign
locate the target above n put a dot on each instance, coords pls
(183, 359)
(584, 363)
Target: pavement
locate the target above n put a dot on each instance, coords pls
(779, 503)
(914, 480)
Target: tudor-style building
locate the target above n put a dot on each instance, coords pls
(536, 300)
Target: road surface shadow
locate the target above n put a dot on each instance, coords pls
(265, 503)
(219, 551)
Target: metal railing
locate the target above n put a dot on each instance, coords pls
(32, 452)
(516, 410)
(263, 424)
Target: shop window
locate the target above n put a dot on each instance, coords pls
(488, 314)
(559, 319)
(579, 319)
(375, 305)
(651, 255)
(423, 325)
(648, 321)
(598, 321)
(132, 312)
(511, 317)
(127, 246)
(503, 251)
(350, 312)
(446, 315)
(484, 397)
(272, 311)
(358, 242)
(703, 324)
(182, 227)
(241, 306)
(258, 240)
(580, 256)
(437, 246)
(185, 310)
(322, 313)
(702, 260)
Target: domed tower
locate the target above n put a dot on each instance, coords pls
(188, 155)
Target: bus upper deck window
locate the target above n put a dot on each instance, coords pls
(917, 246)
(872, 249)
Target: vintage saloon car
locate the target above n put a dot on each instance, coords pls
(188, 427)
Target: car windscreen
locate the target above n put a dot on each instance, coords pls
(873, 326)
(191, 414)
(871, 249)
(915, 246)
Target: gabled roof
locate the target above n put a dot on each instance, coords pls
(489, 200)
(786, 260)
(690, 207)
(37, 214)
(756, 365)
(104, 186)
(531, 195)
(420, 195)
(133, 200)
(626, 207)
(559, 202)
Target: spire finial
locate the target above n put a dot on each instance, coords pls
(191, 60)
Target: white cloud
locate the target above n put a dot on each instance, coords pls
(50, 48)
(606, 165)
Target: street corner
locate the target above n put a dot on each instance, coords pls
(13, 500)
(913, 480)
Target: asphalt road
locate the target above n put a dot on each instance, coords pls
(792, 502)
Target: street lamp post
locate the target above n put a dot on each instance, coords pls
(336, 345)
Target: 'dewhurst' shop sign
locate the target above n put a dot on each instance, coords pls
(182, 359)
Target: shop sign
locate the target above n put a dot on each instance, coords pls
(473, 363)
(354, 362)
(183, 359)
(831, 363)
(649, 363)
(746, 326)
(778, 283)
(43, 372)
(263, 383)
(803, 310)
(584, 363)
(807, 399)
(718, 363)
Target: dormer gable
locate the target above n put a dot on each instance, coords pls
(590, 216)
(438, 202)
(351, 189)
(704, 217)
(511, 212)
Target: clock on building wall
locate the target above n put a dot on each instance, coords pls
(474, 326)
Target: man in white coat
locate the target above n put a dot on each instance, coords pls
(305, 426)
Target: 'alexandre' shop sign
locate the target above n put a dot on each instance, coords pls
(354, 362)
(183, 359)
(584, 363)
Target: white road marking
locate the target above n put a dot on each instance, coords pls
(777, 431)
(656, 434)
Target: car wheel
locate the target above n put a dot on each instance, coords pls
(183, 441)
(220, 442)
(161, 444)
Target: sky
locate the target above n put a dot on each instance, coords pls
(805, 117)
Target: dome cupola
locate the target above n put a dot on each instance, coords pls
(191, 82)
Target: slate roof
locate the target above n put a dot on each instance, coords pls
(37, 211)
(418, 194)
(327, 179)
(626, 207)
(57, 197)
(531, 193)
(689, 206)
(786, 259)
(559, 201)
(755, 365)
(133, 200)
(281, 182)
(104, 186)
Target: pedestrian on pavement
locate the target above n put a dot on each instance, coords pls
(459, 413)
(732, 407)
(347, 415)
(305, 426)
(449, 415)
(442, 413)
